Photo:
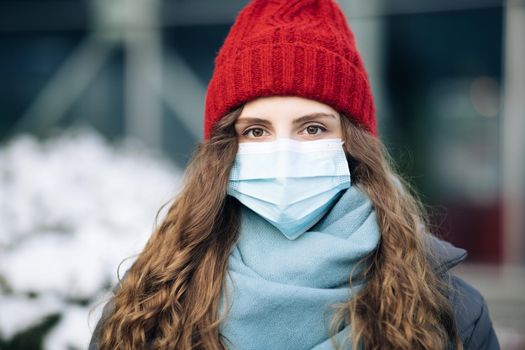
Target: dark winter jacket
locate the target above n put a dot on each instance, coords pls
(470, 308)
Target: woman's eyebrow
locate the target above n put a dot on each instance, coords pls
(299, 120)
(311, 116)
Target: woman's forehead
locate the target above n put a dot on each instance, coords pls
(293, 106)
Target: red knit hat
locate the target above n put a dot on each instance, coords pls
(290, 47)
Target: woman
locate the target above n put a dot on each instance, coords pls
(293, 230)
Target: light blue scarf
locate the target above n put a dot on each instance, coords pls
(280, 290)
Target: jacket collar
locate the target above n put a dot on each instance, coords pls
(444, 255)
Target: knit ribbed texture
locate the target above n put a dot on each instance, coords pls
(290, 48)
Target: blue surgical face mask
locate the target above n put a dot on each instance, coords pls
(290, 183)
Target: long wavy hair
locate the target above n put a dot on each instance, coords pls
(169, 297)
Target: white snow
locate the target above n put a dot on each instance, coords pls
(72, 207)
(19, 312)
(70, 333)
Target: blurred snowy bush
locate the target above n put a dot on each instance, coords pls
(72, 207)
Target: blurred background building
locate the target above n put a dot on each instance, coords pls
(448, 78)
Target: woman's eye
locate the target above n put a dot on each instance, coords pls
(256, 132)
(311, 129)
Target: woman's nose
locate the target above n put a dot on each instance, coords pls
(283, 133)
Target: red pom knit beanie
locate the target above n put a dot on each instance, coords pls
(290, 47)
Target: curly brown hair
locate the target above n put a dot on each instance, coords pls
(170, 295)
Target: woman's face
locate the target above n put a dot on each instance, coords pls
(298, 118)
